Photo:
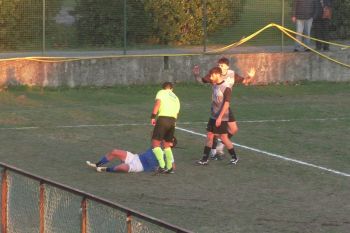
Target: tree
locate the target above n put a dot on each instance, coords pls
(101, 22)
(181, 21)
(21, 23)
(341, 18)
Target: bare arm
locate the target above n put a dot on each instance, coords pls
(156, 107)
(246, 80)
(196, 73)
(224, 109)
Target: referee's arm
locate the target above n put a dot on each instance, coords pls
(156, 107)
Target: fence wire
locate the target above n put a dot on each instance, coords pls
(149, 26)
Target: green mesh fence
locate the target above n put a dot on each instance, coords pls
(62, 211)
(121, 26)
(141, 226)
(102, 218)
(23, 208)
(1, 204)
(34, 204)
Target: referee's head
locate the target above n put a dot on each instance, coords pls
(167, 85)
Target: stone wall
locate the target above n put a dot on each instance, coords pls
(270, 68)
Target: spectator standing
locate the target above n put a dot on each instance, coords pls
(303, 13)
(321, 24)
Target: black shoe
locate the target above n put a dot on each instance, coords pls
(202, 162)
(234, 161)
(170, 171)
(307, 50)
(161, 170)
(217, 157)
(326, 49)
(295, 50)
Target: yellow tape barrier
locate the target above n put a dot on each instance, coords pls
(286, 31)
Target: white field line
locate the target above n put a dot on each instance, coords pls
(179, 123)
(274, 155)
(203, 135)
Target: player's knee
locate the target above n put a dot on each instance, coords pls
(233, 130)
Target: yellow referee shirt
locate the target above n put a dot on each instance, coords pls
(169, 103)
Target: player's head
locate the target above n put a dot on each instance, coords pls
(167, 85)
(215, 74)
(224, 64)
(224, 60)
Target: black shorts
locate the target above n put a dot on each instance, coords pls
(211, 127)
(231, 117)
(164, 129)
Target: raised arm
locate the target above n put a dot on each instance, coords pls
(245, 80)
(196, 73)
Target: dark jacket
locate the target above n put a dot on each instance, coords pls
(306, 9)
(321, 4)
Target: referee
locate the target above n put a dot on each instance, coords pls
(165, 111)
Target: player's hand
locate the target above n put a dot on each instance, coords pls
(218, 122)
(196, 70)
(251, 72)
(249, 80)
(153, 122)
(294, 19)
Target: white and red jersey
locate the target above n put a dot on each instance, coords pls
(229, 78)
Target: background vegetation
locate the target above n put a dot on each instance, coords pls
(100, 24)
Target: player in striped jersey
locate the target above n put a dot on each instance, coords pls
(231, 78)
(218, 121)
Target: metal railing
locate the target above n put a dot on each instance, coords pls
(86, 199)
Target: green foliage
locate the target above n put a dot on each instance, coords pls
(181, 22)
(341, 16)
(101, 22)
(21, 23)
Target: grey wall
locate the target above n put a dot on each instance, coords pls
(270, 68)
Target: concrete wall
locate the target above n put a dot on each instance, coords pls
(270, 67)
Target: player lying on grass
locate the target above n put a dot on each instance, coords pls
(231, 78)
(130, 162)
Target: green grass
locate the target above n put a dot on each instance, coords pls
(256, 15)
(260, 194)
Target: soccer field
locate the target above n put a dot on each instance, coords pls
(293, 143)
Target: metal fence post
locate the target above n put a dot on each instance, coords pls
(42, 207)
(4, 204)
(282, 22)
(125, 24)
(204, 9)
(44, 29)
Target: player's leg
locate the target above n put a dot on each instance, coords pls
(227, 142)
(115, 153)
(232, 130)
(131, 163)
(168, 143)
(157, 137)
(208, 142)
(213, 148)
(118, 168)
